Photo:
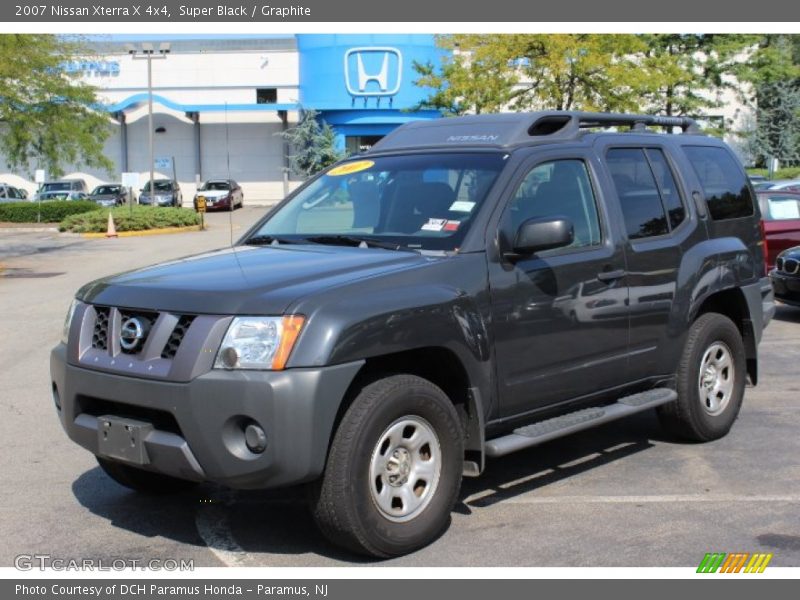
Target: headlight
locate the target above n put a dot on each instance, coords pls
(259, 342)
(68, 321)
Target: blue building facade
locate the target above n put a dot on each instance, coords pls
(363, 84)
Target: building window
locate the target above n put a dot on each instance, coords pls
(266, 96)
(360, 143)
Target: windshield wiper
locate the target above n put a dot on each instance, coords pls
(354, 240)
(267, 240)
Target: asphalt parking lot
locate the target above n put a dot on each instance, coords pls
(620, 495)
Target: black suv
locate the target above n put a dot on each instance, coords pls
(467, 288)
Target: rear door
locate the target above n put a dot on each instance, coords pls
(559, 316)
(658, 228)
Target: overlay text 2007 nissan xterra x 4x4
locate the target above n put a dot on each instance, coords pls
(467, 288)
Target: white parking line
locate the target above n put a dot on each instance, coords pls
(214, 528)
(650, 499)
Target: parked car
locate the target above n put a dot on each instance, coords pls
(780, 212)
(62, 195)
(167, 193)
(757, 178)
(9, 193)
(220, 194)
(109, 194)
(783, 185)
(70, 187)
(786, 276)
(411, 311)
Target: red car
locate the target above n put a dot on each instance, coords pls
(781, 217)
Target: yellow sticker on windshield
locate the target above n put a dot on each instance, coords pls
(351, 167)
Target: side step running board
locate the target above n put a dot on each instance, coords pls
(544, 431)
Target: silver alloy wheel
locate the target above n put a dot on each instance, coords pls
(405, 468)
(716, 379)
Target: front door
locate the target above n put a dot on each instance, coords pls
(560, 317)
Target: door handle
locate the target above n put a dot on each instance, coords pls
(611, 275)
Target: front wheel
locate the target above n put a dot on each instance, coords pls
(394, 469)
(711, 380)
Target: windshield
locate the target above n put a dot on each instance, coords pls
(56, 187)
(161, 186)
(215, 185)
(105, 189)
(424, 201)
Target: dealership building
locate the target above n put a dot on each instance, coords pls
(220, 105)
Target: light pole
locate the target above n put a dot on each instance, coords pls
(148, 52)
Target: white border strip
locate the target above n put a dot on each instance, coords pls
(274, 27)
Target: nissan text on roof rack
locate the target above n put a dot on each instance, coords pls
(467, 288)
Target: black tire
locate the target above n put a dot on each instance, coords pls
(691, 416)
(143, 481)
(342, 501)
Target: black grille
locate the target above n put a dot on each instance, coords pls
(790, 265)
(100, 333)
(146, 320)
(779, 264)
(176, 337)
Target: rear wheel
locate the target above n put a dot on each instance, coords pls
(394, 469)
(143, 481)
(711, 381)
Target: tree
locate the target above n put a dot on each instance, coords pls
(597, 72)
(663, 74)
(314, 143)
(488, 73)
(687, 73)
(48, 119)
(474, 76)
(774, 76)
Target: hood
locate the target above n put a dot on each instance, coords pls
(793, 253)
(103, 197)
(213, 194)
(262, 280)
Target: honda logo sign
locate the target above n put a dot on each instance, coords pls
(373, 71)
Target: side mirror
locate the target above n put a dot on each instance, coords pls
(543, 233)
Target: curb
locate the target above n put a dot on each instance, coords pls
(144, 232)
(28, 229)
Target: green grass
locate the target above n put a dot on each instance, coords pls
(786, 173)
(140, 219)
(50, 212)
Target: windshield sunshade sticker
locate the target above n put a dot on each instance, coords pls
(434, 225)
(350, 168)
(462, 206)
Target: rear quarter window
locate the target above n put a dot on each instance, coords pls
(723, 181)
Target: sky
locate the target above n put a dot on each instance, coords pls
(189, 36)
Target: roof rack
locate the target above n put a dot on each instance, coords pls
(588, 120)
(515, 129)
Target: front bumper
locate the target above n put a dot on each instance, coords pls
(159, 201)
(786, 288)
(199, 425)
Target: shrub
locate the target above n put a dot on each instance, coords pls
(785, 173)
(51, 212)
(140, 219)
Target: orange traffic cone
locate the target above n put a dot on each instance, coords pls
(111, 232)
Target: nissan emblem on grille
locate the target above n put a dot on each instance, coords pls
(131, 333)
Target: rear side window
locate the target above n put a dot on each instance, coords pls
(723, 181)
(648, 196)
